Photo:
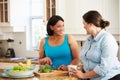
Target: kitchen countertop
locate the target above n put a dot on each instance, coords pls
(7, 63)
(36, 77)
(8, 60)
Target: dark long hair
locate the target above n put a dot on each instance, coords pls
(51, 22)
(95, 18)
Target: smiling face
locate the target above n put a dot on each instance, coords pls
(87, 27)
(58, 28)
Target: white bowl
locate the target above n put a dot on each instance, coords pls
(18, 73)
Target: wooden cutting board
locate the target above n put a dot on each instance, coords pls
(52, 74)
(60, 75)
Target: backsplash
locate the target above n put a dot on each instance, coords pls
(20, 49)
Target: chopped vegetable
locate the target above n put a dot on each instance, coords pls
(45, 69)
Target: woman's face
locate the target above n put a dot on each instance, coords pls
(58, 28)
(87, 27)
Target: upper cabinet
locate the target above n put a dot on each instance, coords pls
(19, 14)
(13, 16)
(50, 8)
(4, 13)
(4, 17)
(72, 15)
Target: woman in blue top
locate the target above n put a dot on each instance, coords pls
(58, 48)
(99, 53)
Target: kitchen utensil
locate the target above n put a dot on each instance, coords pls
(10, 51)
(53, 67)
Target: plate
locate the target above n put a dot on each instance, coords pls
(7, 76)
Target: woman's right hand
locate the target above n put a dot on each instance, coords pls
(45, 60)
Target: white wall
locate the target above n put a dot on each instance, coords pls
(20, 49)
(19, 44)
(71, 11)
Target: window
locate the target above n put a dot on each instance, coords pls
(38, 29)
(40, 12)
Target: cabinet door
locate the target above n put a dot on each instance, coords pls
(50, 8)
(3, 11)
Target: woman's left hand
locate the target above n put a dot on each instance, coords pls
(63, 67)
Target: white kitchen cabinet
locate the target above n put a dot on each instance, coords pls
(4, 16)
(4, 11)
(111, 13)
(14, 15)
(73, 14)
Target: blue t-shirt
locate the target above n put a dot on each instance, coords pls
(61, 54)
